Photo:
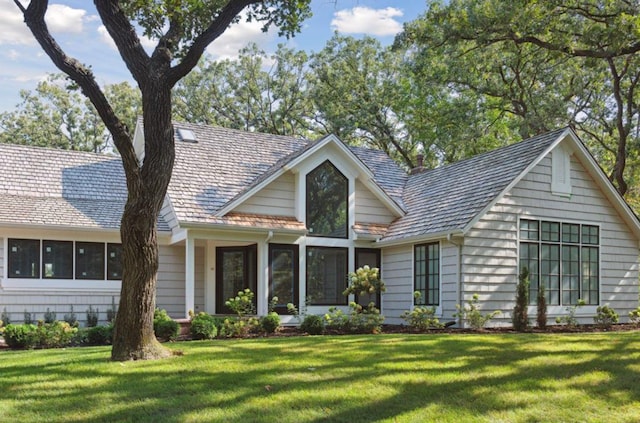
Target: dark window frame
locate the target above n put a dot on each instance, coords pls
(91, 269)
(309, 201)
(359, 263)
(250, 274)
(429, 288)
(280, 307)
(21, 257)
(344, 300)
(60, 255)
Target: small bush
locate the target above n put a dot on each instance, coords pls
(634, 316)
(365, 280)
(520, 317)
(72, 319)
(359, 319)
(111, 312)
(242, 304)
(422, 318)
(92, 317)
(50, 316)
(312, 324)
(27, 319)
(204, 326)
(270, 323)
(55, 335)
(4, 317)
(541, 317)
(471, 313)
(164, 326)
(605, 316)
(570, 319)
(100, 335)
(21, 336)
(80, 338)
(235, 328)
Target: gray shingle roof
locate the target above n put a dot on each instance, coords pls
(449, 197)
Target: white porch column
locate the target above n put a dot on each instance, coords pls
(190, 275)
(210, 278)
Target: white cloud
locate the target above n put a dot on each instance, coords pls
(59, 18)
(364, 20)
(237, 36)
(13, 54)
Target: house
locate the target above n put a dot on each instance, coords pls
(290, 218)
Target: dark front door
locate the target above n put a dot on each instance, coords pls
(236, 270)
(283, 276)
(371, 258)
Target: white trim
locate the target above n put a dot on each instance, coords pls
(419, 239)
(56, 285)
(189, 277)
(561, 171)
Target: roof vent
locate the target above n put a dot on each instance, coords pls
(187, 135)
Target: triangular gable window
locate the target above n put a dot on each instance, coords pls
(327, 193)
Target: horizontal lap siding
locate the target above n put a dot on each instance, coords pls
(276, 199)
(490, 254)
(199, 276)
(171, 275)
(368, 208)
(449, 279)
(397, 271)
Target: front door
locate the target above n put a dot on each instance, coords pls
(236, 270)
(283, 276)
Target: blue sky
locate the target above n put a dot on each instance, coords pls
(78, 29)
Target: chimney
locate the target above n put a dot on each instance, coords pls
(420, 161)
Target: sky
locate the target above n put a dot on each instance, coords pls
(78, 29)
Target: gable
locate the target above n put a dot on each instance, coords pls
(369, 209)
(275, 199)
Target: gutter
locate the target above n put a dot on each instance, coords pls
(420, 238)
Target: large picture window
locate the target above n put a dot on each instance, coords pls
(283, 275)
(57, 259)
(327, 275)
(89, 260)
(24, 258)
(427, 274)
(564, 258)
(327, 193)
(236, 270)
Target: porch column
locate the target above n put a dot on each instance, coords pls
(190, 275)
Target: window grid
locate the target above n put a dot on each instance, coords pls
(564, 257)
(427, 274)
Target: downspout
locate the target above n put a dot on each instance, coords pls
(458, 272)
(269, 237)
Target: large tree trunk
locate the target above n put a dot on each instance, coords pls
(134, 338)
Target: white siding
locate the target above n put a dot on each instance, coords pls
(171, 275)
(369, 209)
(448, 280)
(490, 253)
(397, 268)
(276, 199)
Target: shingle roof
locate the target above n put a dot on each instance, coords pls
(44, 186)
(449, 197)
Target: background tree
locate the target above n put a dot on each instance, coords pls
(183, 31)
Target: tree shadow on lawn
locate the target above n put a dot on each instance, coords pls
(329, 379)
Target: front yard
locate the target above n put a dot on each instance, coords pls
(395, 378)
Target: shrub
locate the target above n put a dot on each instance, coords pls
(570, 319)
(72, 319)
(359, 319)
(49, 316)
(270, 323)
(520, 317)
(164, 326)
(312, 324)
(605, 316)
(235, 327)
(27, 319)
(100, 335)
(541, 316)
(365, 280)
(21, 336)
(204, 326)
(634, 316)
(92, 317)
(111, 312)
(55, 335)
(4, 317)
(241, 304)
(422, 318)
(471, 313)
(80, 338)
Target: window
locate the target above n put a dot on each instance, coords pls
(427, 274)
(90, 260)
(327, 193)
(24, 258)
(368, 257)
(57, 259)
(283, 275)
(327, 275)
(564, 258)
(236, 270)
(51, 259)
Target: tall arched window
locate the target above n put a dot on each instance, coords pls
(327, 193)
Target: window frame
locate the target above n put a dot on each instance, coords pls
(281, 308)
(424, 299)
(307, 194)
(11, 267)
(78, 261)
(339, 276)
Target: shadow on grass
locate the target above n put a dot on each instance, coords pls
(333, 379)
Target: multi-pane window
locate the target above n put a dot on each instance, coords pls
(327, 275)
(327, 193)
(564, 258)
(51, 259)
(427, 274)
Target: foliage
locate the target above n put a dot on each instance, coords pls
(634, 316)
(570, 319)
(365, 280)
(471, 313)
(520, 318)
(92, 317)
(50, 316)
(100, 335)
(20, 336)
(541, 316)
(421, 317)
(28, 318)
(237, 328)
(270, 323)
(242, 304)
(164, 326)
(358, 320)
(111, 312)
(4, 317)
(605, 316)
(42, 335)
(71, 318)
(204, 326)
(312, 324)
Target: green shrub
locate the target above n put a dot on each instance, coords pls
(21, 336)
(634, 316)
(270, 323)
(541, 317)
(359, 319)
(570, 319)
(92, 317)
(72, 319)
(100, 335)
(471, 313)
(365, 280)
(242, 304)
(164, 326)
(605, 316)
(204, 326)
(80, 338)
(55, 335)
(312, 324)
(235, 327)
(4, 317)
(111, 312)
(49, 316)
(520, 317)
(27, 319)
(422, 318)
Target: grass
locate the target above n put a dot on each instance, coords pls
(394, 378)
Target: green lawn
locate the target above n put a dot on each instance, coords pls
(395, 378)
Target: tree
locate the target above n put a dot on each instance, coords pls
(183, 31)
(57, 115)
(242, 94)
